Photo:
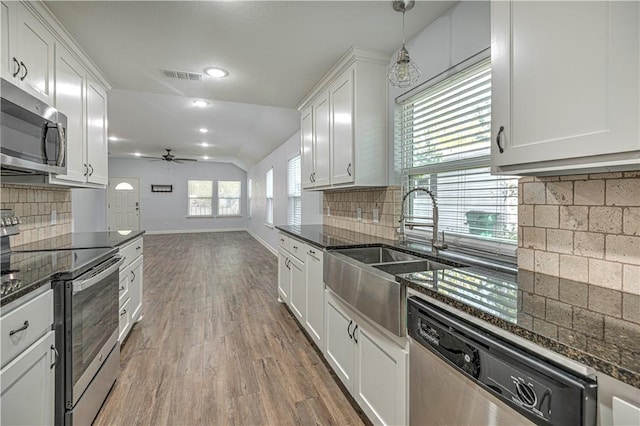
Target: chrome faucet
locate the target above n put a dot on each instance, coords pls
(441, 245)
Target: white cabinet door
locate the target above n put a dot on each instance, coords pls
(380, 387)
(565, 82)
(9, 67)
(314, 323)
(306, 135)
(28, 385)
(297, 301)
(338, 341)
(342, 114)
(97, 134)
(322, 143)
(70, 87)
(35, 52)
(135, 288)
(125, 321)
(284, 277)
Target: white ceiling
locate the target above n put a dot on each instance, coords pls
(275, 52)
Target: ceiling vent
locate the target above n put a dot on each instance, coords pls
(182, 75)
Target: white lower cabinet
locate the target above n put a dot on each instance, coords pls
(314, 323)
(372, 367)
(131, 277)
(28, 385)
(298, 300)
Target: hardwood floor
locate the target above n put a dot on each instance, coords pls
(215, 346)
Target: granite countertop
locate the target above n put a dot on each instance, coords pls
(81, 240)
(595, 326)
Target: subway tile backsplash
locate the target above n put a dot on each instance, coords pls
(34, 205)
(583, 227)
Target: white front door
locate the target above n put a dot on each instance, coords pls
(124, 204)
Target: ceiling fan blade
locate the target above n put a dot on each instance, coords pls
(184, 159)
(155, 158)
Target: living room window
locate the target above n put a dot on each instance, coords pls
(229, 193)
(200, 197)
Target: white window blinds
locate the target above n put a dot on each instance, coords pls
(249, 192)
(269, 196)
(229, 198)
(200, 197)
(445, 132)
(294, 191)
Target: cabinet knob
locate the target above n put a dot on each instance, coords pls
(499, 139)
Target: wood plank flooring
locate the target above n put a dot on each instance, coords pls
(215, 347)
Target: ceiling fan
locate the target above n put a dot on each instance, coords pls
(169, 157)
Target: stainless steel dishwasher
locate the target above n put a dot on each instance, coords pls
(460, 374)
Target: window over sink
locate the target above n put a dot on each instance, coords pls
(445, 136)
(294, 192)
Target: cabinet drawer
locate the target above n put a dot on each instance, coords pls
(25, 325)
(284, 241)
(125, 321)
(297, 248)
(131, 251)
(123, 288)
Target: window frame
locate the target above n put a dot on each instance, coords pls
(294, 194)
(189, 198)
(269, 198)
(238, 198)
(459, 165)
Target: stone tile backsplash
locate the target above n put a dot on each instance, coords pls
(34, 205)
(339, 210)
(583, 227)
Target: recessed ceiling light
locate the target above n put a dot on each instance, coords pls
(137, 154)
(204, 144)
(114, 138)
(200, 103)
(216, 72)
(203, 130)
(206, 157)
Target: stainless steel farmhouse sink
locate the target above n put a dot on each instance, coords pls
(364, 278)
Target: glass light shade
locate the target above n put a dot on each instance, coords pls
(404, 72)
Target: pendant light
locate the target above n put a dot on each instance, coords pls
(404, 72)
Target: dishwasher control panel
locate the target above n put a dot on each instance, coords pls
(538, 389)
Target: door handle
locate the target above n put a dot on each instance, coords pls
(18, 330)
(86, 170)
(355, 339)
(349, 329)
(91, 172)
(349, 169)
(133, 276)
(499, 139)
(56, 354)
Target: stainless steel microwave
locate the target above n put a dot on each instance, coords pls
(32, 135)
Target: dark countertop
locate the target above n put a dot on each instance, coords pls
(23, 273)
(81, 240)
(595, 326)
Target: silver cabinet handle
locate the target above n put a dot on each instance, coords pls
(295, 247)
(63, 145)
(355, 339)
(349, 329)
(133, 276)
(86, 170)
(124, 311)
(91, 172)
(349, 169)
(56, 355)
(312, 251)
(499, 139)
(121, 288)
(18, 330)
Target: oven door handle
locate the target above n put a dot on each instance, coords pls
(85, 284)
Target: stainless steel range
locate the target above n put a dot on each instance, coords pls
(85, 283)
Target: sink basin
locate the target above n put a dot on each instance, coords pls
(370, 255)
(408, 267)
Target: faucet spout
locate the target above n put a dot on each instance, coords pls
(441, 245)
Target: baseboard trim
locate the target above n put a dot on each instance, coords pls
(194, 231)
(263, 242)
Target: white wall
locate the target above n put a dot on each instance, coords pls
(89, 210)
(167, 212)
(462, 32)
(311, 201)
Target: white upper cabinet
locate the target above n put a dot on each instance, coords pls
(344, 124)
(97, 148)
(27, 51)
(566, 85)
(70, 97)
